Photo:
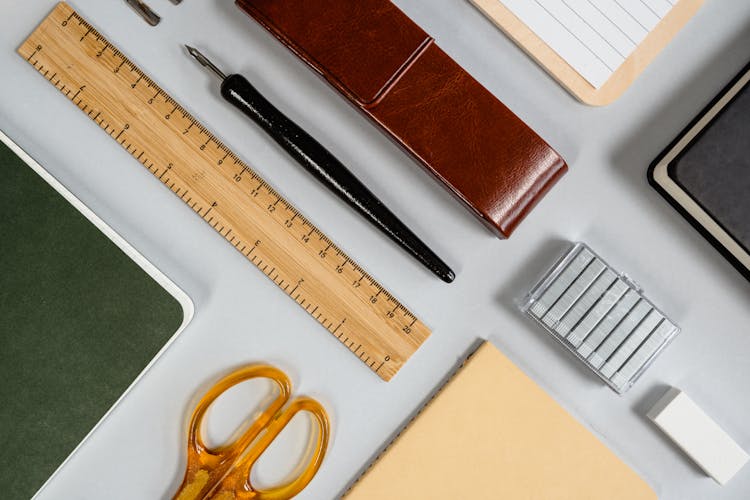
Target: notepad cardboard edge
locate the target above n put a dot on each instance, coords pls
(188, 308)
(565, 75)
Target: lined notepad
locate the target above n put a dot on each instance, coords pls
(594, 37)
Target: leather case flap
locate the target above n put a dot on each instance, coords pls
(483, 153)
(399, 78)
(315, 30)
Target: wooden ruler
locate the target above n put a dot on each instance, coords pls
(224, 191)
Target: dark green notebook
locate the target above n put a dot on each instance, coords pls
(79, 322)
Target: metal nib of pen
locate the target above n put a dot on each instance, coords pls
(205, 62)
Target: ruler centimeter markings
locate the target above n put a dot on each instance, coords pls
(213, 181)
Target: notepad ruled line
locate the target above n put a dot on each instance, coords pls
(574, 35)
(612, 22)
(594, 37)
(610, 43)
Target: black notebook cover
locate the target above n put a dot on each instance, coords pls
(705, 172)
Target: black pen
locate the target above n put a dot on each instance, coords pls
(317, 160)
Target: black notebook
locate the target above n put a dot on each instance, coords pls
(705, 172)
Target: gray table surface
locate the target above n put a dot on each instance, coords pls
(242, 317)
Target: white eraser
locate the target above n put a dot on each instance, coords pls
(698, 436)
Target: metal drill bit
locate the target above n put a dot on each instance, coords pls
(205, 62)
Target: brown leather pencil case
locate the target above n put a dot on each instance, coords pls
(395, 74)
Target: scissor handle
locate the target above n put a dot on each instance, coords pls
(224, 472)
(239, 479)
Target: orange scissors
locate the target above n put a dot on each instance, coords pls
(224, 473)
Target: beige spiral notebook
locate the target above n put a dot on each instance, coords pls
(492, 433)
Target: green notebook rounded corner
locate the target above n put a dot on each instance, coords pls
(82, 316)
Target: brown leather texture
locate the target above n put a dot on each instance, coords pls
(393, 72)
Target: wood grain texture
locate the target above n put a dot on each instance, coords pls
(224, 191)
(568, 77)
